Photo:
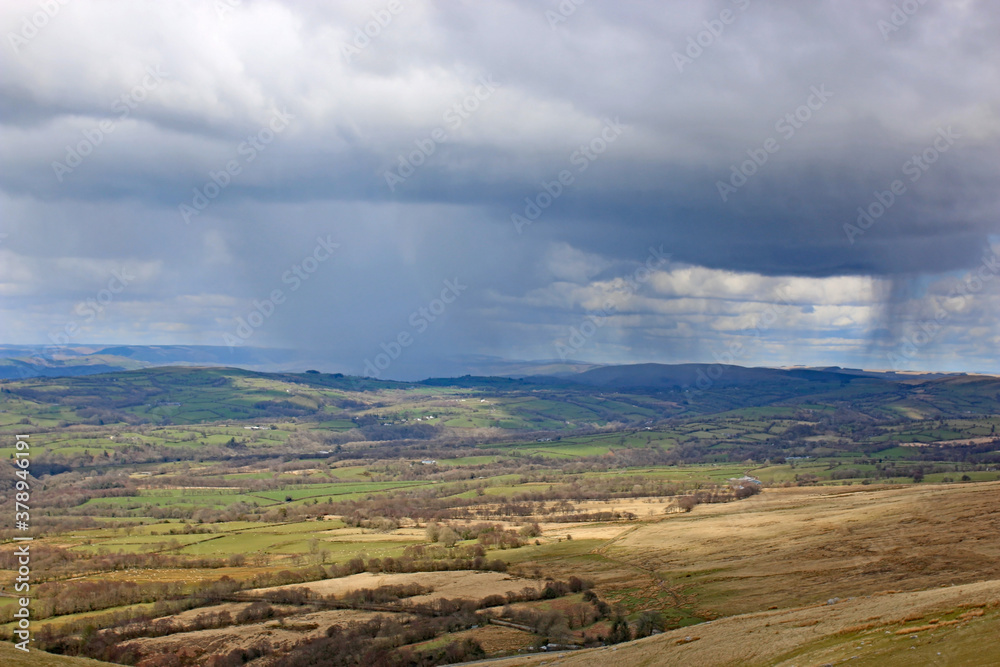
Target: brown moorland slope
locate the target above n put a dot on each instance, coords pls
(888, 576)
(789, 547)
(12, 657)
(956, 625)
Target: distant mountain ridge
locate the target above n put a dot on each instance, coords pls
(21, 362)
(703, 376)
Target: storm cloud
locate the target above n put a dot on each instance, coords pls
(822, 177)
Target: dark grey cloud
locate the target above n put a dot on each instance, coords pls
(685, 123)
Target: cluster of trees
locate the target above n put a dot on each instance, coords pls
(890, 470)
(53, 563)
(442, 505)
(435, 560)
(71, 597)
(490, 535)
(361, 598)
(431, 504)
(67, 597)
(722, 494)
(383, 642)
(63, 597)
(391, 597)
(111, 644)
(387, 645)
(556, 625)
(65, 494)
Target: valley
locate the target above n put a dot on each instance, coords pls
(189, 516)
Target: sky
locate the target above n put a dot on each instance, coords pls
(390, 184)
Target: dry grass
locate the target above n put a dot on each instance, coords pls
(282, 634)
(915, 566)
(495, 639)
(12, 657)
(583, 531)
(817, 635)
(457, 584)
(915, 572)
(291, 630)
(793, 546)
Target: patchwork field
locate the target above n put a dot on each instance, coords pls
(466, 585)
(188, 517)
